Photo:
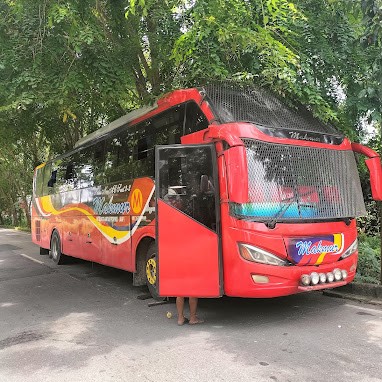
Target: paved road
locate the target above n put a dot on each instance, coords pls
(83, 322)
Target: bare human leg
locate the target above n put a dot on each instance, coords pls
(193, 301)
(180, 310)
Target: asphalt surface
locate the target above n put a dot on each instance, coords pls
(84, 322)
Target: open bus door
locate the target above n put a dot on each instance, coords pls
(188, 221)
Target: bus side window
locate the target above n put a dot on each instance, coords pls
(71, 173)
(186, 183)
(167, 126)
(39, 182)
(91, 165)
(99, 163)
(176, 167)
(195, 119)
(142, 148)
(142, 143)
(46, 190)
(85, 167)
(118, 157)
(58, 176)
(53, 179)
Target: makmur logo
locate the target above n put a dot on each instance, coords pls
(137, 201)
(312, 250)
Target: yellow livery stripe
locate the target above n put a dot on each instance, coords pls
(112, 233)
(321, 258)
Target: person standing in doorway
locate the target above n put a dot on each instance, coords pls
(193, 302)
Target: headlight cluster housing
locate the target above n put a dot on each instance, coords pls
(352, 248)
(258, 255)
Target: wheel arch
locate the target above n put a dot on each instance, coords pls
(143, 245)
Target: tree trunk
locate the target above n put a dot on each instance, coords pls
(26, 208)
(20, 217)
(14, 217)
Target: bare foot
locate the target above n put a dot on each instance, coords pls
(196, 321)
(183, 321)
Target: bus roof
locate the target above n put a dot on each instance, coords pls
(115, 124)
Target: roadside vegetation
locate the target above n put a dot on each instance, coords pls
(369, 260)
(69, 67)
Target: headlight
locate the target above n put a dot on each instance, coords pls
(330, 277)
(315, 278)
(251, 253)
(350, 250)
(305, 280)
(337, 274)
(322, 278)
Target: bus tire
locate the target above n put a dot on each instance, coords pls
(55, 249)
(151, 271)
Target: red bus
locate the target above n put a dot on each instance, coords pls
(221, 190)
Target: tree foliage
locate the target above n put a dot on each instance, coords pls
(69, 67)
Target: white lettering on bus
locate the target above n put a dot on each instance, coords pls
(103, 207)
(308, 248)
(306, 137)
(109, 219)
(117, 188)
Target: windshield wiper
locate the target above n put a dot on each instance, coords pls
(272, 224)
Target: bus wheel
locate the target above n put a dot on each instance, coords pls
(55, 249)
(151, 271)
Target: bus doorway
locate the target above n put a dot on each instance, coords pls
(188, 221)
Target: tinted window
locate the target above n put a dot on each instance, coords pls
(90, 165)
(46, 190)
(166, 127)
(57, 181)
(186, 182)
(126, 155)
(195, 119)
(119, 156)
(143, 156)
(38, 185)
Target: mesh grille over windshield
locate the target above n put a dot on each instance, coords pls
(296, 182)
(234, 103)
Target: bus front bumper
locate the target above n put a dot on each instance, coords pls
(283, 281)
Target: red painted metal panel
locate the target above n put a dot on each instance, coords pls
(237, 173)
(187, 255)
(230, 132)
(282, 280)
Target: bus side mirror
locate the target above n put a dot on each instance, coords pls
(373, 163)
(375, 170)
(237, 174)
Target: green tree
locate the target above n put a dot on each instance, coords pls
(67, 68)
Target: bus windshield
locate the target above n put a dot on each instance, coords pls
(289, 182)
